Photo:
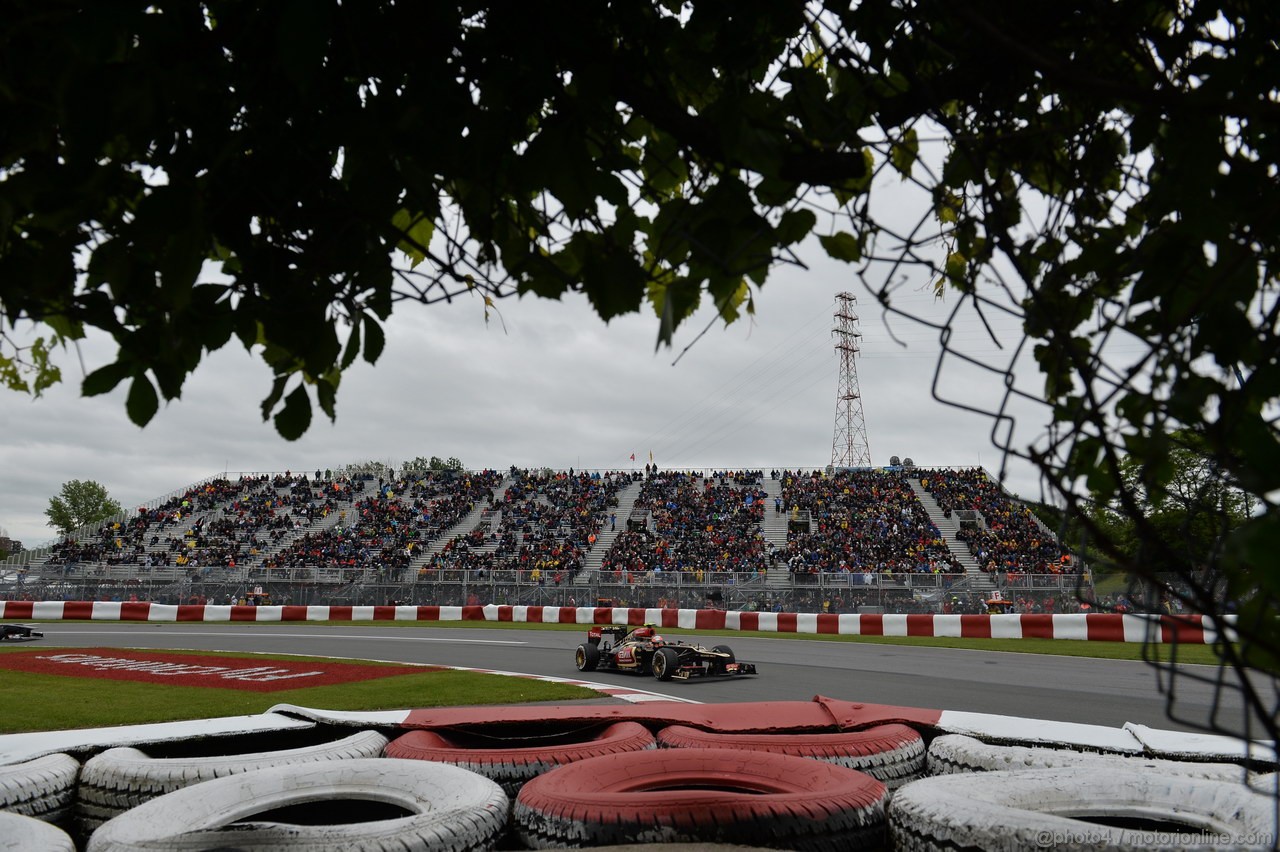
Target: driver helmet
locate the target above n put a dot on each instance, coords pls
(657, 640)
(642, 633)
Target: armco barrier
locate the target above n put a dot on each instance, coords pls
(1098, 627)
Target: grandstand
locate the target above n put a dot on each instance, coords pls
(893, 539)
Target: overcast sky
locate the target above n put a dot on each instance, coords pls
(546, 384)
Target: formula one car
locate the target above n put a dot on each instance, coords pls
(642, 650)
(18, 631)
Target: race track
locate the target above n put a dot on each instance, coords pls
(1069, 689)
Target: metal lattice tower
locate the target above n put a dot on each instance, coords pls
(849, 447)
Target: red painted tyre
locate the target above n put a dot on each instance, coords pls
(698, 795)
(893, 754)
(501, 759)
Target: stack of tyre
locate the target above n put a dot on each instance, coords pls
(36, 799)
(593, 783)
(1010, 797)
(618, 783)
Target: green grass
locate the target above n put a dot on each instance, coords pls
(36, 702)
(1111, 584)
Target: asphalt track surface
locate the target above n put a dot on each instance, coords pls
(1037, 686)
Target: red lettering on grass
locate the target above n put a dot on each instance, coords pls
(223, 672)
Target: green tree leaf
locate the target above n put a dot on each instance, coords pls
(904, 152)
(842, 246)
(417, 230)
(142, 402)
(292, 420)
(80, 503)
(795, 225)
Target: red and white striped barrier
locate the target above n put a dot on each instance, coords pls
(1096, 627)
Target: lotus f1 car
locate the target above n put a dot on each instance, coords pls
(18, 631)
(643, 651)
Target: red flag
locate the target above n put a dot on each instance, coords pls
(633, 456)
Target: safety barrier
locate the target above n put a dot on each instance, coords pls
(1096, 627)
(1122, 771)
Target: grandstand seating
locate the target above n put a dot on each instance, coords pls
(1002, 537)
(903, 540)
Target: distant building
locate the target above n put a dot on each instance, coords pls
(9, 546)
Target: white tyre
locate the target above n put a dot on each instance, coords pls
(122, 778)
(44, 788)
(955, 753)
(363, 805)
(1079, 809)
(1268, 783)
(19, 833)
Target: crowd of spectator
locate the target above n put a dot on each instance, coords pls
(550, 520)
(546, 521)
(868, 522)
(537, 528)
(154, 536)
(380, 536)
(695, 525)
(1008, 536)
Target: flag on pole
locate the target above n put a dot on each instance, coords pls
(633, 456)
(651, 455)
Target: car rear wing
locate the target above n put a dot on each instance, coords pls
(595, 633)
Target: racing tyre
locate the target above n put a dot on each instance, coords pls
(718, 666)
(1079, 809)
(956, 753)
(664, 664)
(20, 833)
(892, 754)
(44, 788)
(357, 805)
(122, 778)
(512, 766)
(587, 657)
(702, 796)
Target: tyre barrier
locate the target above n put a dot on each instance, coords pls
(819, 716)
(120, 779)
(1079, 808)
(955, 753)
(22, 833)
(710, 795)
(44, 788)
(892, 754)
(511, 765)
(358, 805)
(1268, 784)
